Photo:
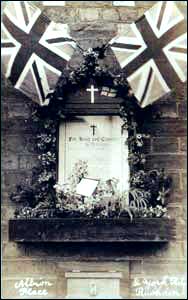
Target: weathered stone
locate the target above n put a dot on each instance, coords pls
(141, 11)
(10, 162)
(165, 128)
(168, 145)
(7, 213)
(164, 267)
(19, 144)
(10, 93)
(147, 146)
(145, 3)
(89, 14)
(28, 161)
(171, 250)
(165, 109)
(127, 14)
(183, 177)
(177, 196)
(175, 175)
(181, 232)
(183, 144)
(16, 110)
(182, 110)
(62, 14)
(84, 28)
(10, 250)
(90, 43)
(175, 211)
(167, 161)
(14, 177)
(30, 267)
(100, 4)
(61, 287)
(123, 3)
(93, 30)
(20, 126)
(180, 91)
(135, 267)
(111, 14)
(4, 233)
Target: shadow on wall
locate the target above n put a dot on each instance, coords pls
(92, 251)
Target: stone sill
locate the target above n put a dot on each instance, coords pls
(91, 230)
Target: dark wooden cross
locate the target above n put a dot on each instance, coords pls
(93, 126)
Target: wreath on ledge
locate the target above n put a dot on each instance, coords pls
(44, 198)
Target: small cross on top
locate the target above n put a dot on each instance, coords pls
(92, 90)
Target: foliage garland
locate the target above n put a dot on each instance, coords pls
(148, 190)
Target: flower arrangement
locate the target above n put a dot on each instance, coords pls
(106, 201)
(43, 197)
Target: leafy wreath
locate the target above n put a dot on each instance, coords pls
(44, 198)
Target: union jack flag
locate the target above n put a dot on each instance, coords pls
(109, 92)
(35, 49)
(152, 52)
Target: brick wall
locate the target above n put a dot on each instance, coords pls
(93, 23)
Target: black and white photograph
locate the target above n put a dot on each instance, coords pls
(94, 149)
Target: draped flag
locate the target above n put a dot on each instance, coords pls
(35, 50)
(152, 52)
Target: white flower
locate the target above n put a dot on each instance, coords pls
(63, 187)
(139, 136)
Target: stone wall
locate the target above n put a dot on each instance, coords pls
(93, 23)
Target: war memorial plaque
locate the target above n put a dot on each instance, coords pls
(101, 142)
